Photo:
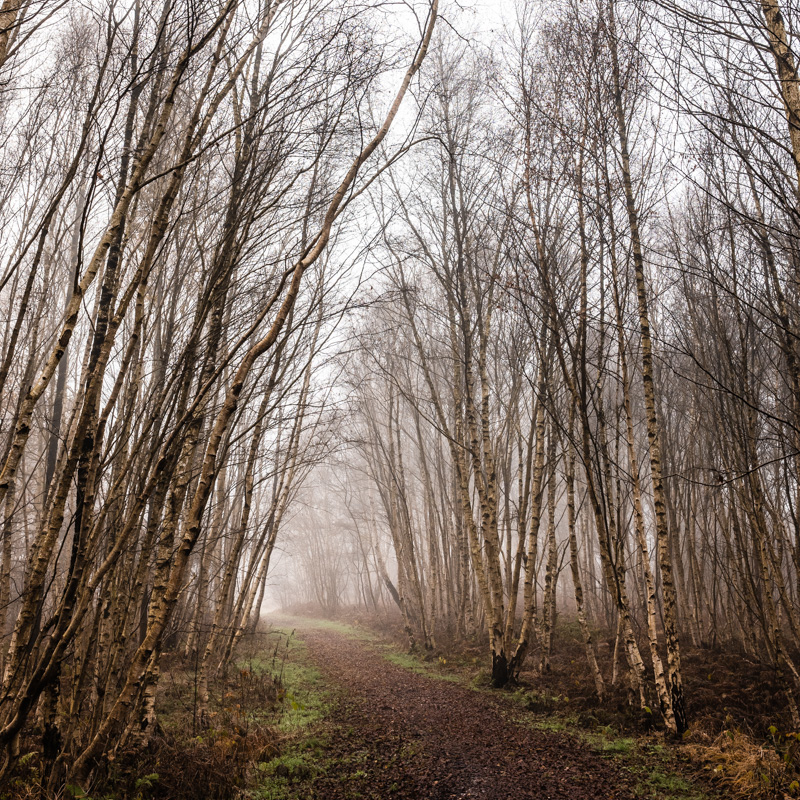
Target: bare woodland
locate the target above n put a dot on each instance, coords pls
(488, 327)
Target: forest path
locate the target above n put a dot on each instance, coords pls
(407, 735)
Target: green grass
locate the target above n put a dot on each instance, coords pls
(306, 737)
(343, 628)
(667, 787)
(306, 701)
(307, 698)
(552, 724)
(652, 765)
(411, 662)
(610, 744)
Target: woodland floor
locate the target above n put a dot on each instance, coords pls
(423, 737)
(392, 732)
(320, 710)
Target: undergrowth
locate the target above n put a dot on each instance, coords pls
(254, 739)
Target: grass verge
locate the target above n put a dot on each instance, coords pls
(306, 700)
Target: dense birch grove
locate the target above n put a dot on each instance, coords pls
(576, 388)
(526, 347)
(172, 177)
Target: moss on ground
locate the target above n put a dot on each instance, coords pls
(306, 701)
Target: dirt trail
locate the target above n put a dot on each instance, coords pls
(403, 735)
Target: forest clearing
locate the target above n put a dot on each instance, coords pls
(400, 399)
